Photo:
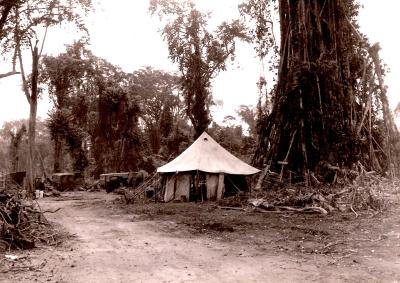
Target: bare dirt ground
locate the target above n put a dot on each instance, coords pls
(189, 242)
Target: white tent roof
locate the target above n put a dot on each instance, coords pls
(206, 155)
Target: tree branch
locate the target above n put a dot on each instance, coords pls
(8, 74)
(24, 82)
(44, 40)
(6, 10)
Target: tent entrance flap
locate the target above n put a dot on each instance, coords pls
(182, 187)
(177, 187)
(212, 186)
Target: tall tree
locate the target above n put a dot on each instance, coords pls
(13, 132)
(17, 146)
(15, 143)
(64, 77)
(199, 53)
(158, 94)
(330, 99)
(96, 110)
(25, 22)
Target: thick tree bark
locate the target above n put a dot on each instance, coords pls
(316, 105)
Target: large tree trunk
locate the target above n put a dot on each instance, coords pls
(317, 106)
(155, 138)
(14, 158)
(32, 116)
(57, 155)
(197, 89)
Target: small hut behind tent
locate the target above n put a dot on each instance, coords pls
(205, 171)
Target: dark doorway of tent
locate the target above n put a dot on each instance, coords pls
(235, 184)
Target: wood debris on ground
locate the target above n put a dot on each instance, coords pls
(366, 191)
(22, 222)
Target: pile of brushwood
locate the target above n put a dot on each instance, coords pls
(367, 191)
(22, 223)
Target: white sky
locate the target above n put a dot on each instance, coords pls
(123, 32)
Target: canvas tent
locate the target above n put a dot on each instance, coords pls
(205, 165)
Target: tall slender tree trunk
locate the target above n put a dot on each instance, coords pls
(32, 116)
(14, 158)
(57, 155)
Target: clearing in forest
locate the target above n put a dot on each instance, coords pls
(199, 242)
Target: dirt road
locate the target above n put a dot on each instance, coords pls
(112, 246)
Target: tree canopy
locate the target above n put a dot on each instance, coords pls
(199, 53)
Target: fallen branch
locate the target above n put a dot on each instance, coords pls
(262, 204)
(352, 209)
(329, 245)
(304, 209)
(272, 211)
(231, 208)
(52, 211)
(287, 209)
